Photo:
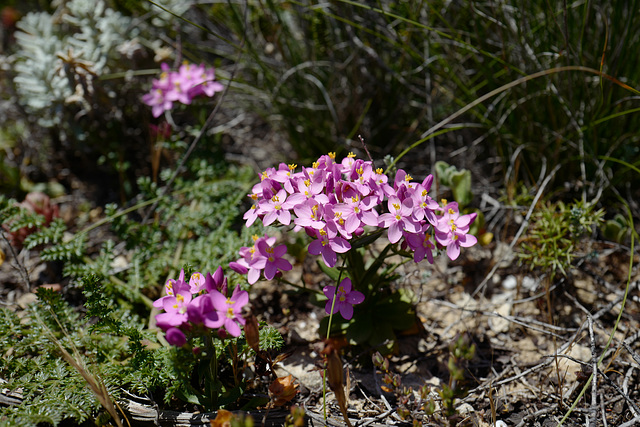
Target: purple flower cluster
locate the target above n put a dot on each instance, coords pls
(200, 302)
(333, 202)
(181, 86)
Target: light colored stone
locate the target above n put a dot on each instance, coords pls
(498, 324)
(510, 282)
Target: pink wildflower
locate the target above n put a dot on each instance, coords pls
(344, 297)
(230, 309)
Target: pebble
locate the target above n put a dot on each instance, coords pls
(510, 282)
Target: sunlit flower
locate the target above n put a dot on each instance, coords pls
(230, 309)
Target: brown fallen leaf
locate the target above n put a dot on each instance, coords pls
(223, 419)
(282, 390)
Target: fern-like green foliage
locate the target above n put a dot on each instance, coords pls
(110, 350)
(198, 225)
(50, 235)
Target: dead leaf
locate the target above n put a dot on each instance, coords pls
(282, 390)
(223, 419)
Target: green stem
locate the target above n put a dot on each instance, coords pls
(324, 377)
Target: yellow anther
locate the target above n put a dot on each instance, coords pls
(408, 177)
(379, 171)
(451, 211)
(351, 155)
(396, 206)
(292, 167)
(315, 165)
(332, 155)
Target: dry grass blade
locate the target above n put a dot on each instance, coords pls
(96, 386)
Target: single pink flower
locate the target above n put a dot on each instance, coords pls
(452, 228)
(328, 246)
(399, 218)
(344, 297)
(230, 309)
(271, 260)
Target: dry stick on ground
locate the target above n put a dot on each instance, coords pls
(23, 270)
(634, 408)
(514, 319)
(625, 343)
(548, 361)
(631, 423)
(594, 367)
(595, 359)
(547, 410)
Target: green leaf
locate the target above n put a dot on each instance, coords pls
(460, 183)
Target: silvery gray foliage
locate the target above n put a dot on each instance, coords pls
(60, 56)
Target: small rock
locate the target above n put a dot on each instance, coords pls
(529, 283)
(465, 409)
(500, 325)
(510, 282)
